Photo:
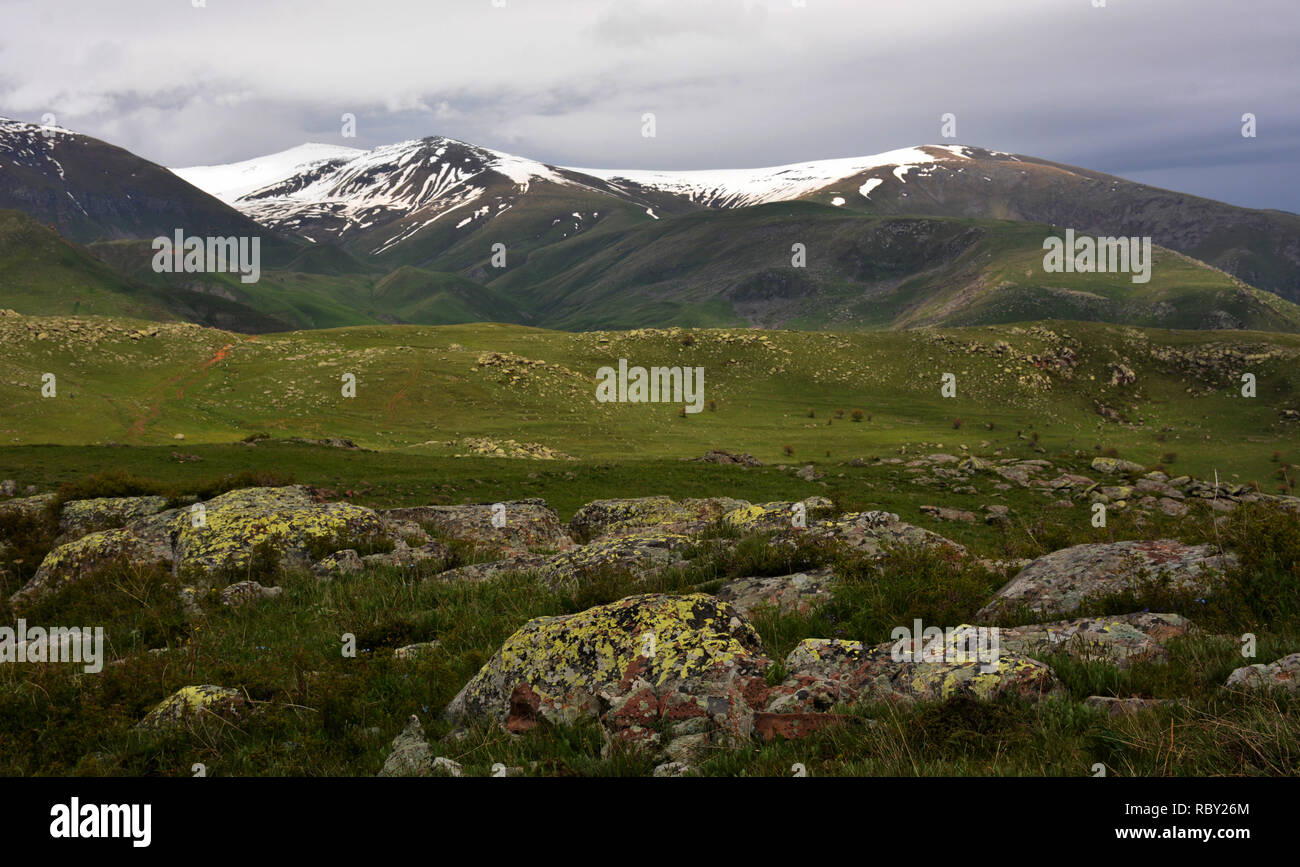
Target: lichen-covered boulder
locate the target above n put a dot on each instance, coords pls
(284, 525)
(343, 562)
(1282, 674)
(75, 560)
(287, 520)
(877, 673)
(775, 516)
(606, 517)
(1119, 640)
(30, 507)
(404, 556)
(81, 517)
(1115, 466)
(1060, 581)
(872, 533)
(525, 525)
(190, 704)
(556, 668)
(789, 594)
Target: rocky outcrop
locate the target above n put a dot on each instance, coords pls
(1119, 640)
(890, 672)
(640, 554)
(1059, 581)
(283, 525)
(82, 517)
(611, 517)
(524, 525)
(788, 594)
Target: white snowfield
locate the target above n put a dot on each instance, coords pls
(231, 182)
(737, 188)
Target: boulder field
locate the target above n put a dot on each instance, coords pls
(680, 675)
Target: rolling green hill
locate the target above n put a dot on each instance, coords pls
(428, 390)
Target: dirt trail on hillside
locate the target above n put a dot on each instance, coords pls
(154, 409)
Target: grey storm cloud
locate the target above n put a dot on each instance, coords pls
(1153, 90)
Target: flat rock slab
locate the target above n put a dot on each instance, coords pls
(1119, 640)
(640, 554)
(608, 517)
(875, 673)
(1060, 581)
(789, 594)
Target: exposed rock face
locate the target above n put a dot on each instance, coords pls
(776, 516)
(29, 506)
(1118, 640)
(1061, 580)
(192, 703)
(80, 559)
(526, 525)
(1282, 674)
(871, 533)
(789, 594)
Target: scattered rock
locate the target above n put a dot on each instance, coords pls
(192, 703)
(245, 592)
(412, 756)
(1282, 674)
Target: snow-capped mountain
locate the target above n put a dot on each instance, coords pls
(381, 198)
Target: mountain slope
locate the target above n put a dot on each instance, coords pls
(735, 267)
(1261, 247)
(428, 202)
(92, 191)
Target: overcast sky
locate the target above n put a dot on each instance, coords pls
(1152, 90)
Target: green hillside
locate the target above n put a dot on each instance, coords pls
(427, 390)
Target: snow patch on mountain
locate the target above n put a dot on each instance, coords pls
(734, 188)
(235, 180)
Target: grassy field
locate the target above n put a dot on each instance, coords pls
(781, 396)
